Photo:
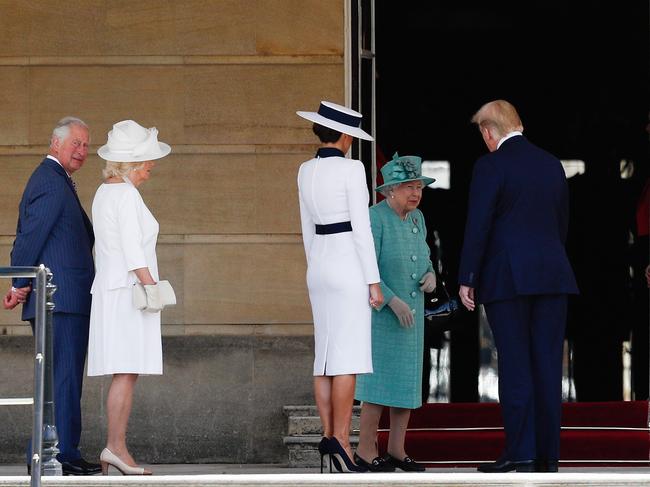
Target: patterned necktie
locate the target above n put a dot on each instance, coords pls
(74, 184)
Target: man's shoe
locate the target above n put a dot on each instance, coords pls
(546, 465)
(76, 467)
(501, 466)
(80, 467)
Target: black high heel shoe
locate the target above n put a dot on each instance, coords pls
(323, 449)
(342, 461)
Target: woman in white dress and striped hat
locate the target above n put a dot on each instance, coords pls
(342, 275)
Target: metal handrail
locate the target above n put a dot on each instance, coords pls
(44, 434)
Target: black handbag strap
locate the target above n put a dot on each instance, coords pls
(444, 291)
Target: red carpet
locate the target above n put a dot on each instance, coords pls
(465, 434)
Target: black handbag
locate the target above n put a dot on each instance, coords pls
(440, 309)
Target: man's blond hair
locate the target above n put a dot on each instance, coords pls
(499, 117)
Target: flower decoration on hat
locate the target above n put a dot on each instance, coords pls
(404, 168)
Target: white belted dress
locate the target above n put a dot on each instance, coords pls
(340, 266)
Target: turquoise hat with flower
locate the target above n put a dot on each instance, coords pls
(403, 169)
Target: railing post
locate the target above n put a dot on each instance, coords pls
(39, 375)
(51, 465)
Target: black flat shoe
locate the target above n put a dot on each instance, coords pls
(501, 466)
(378, 464)
(407, 465)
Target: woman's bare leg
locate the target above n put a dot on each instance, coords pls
(118, 407)
(370, 416)
(342, 401)
(323, 396)
(399, 420)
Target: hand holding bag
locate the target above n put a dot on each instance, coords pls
(153, 297)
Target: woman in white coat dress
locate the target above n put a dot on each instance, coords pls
(342, 275)
(124, 341)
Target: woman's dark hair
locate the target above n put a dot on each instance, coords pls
(326, 134)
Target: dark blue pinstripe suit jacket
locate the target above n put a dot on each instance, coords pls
(53, 229)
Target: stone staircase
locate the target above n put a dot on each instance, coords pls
(601, 434)
(304, 432)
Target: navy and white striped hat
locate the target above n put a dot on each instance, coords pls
(338, 118)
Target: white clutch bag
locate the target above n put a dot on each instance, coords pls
(153, 297)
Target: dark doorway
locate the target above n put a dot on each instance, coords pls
(578, 74)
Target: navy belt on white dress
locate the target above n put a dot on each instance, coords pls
(330, 228)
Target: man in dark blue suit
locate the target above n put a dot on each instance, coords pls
(514, 263)
(53, 229)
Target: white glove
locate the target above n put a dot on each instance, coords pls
(153, 297)
(402, 311)
(428, 282)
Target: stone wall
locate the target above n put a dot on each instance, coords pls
(219, 400)
(221, 80)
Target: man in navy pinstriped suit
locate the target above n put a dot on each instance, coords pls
(514, 263)
(53, 229)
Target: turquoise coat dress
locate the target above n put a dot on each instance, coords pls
(403, 257)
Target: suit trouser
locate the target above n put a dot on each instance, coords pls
(70, 332)
(529, 336)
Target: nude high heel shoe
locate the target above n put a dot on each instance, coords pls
(107, 458)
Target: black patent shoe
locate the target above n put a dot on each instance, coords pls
(80, 467)
(546, 465)
(378, 464)
(76, 467)
(341, 460)
(502, 466)
(407, 464)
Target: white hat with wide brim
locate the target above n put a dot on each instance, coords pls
(129, 141)
(339, 118)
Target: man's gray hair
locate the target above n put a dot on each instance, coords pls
(62, 129)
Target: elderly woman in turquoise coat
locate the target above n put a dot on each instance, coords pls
(406, 272)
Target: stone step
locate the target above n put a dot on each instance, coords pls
(310, 425)
(303, 449)
(311, 410)
(304, 432)
(607, 478)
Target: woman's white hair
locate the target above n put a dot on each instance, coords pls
(385, 192)
(62, 129)
(120, 169)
